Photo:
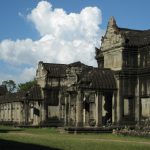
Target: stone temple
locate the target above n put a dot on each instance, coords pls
(116, 92)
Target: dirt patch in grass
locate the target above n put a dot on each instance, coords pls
(120, 141)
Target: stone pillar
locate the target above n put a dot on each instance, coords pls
(21, 112)
(84, 111)
(43, 111)
(114, 107)
(66, 111)
(11, 111)
(103, 109)
(26, 112)
(59, 104)
(137, 109)
(137, 104)
(2, 114)
(69, 108)
(79, 110)
(119, 100)
(84, 117)
(98, 102)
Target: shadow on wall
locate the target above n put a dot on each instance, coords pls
(12, 145)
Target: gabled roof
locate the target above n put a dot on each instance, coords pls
(135, 37)
(101, 79)
(132, 38)
(12, 97)
(33, 94)
(76, 64)
(55, 70)
(59, 70)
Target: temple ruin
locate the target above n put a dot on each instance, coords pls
(77, 95)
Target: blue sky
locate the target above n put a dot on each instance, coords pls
(20, 29)
(128, 13)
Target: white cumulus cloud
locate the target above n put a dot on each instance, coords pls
(65, 38)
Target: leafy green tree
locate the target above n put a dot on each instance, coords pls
(26, 86)
(10, 84)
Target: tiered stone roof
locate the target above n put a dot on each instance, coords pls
(55, 70)
(12, 97)
(135, 38)
(94, 78)
(99, 79)
(33, 94)
(76, 64)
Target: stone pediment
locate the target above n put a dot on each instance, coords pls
(112, 38)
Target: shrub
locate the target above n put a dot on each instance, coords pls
(142, 129)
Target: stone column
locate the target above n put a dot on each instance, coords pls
(103, 109)
(60, 107)
(137, 104)
(21, 112)
(79, 110)
(98, 102)
(119, 101)
(7, 110)
(26, 112)
(69, 108)
(45, 105)
(3, 112)
(84, 111)
(43, 111)
(84, 117)
(114, 107)
(137, 109)
(66, 111)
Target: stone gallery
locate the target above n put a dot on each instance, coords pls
(77, 95)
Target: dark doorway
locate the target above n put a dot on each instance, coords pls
(107, 107)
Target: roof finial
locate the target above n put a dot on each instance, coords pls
(112, 21)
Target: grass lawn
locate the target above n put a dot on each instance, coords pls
(51, 139)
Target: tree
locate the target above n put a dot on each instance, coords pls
(10, 84)
(26, 86)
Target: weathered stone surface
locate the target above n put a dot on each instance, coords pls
(117, 92)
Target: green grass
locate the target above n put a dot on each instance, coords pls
(51, 137)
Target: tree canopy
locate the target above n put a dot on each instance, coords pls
(10, 84)
(26, 86)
